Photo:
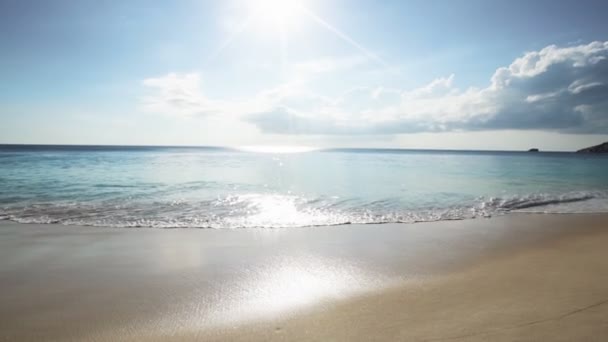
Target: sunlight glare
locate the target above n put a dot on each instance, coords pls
(277, 149)
(278, 14)
(287, 284)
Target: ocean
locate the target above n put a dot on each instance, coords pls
(208, 187)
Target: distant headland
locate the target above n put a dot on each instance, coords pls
(601, 148)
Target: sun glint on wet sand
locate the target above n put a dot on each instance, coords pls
(517, 277)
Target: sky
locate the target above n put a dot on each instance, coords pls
(460, 74)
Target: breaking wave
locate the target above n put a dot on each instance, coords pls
(262, 210)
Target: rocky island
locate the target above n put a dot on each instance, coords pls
(601, 148)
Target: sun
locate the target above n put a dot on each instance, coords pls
(279, 15)
(283, 19)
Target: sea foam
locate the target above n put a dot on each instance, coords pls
(283, 211)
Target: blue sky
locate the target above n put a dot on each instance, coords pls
(416, 74)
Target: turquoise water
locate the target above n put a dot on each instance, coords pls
(224, 188)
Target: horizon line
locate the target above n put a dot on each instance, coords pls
(238, 148)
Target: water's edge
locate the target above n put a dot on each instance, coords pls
(293, 213)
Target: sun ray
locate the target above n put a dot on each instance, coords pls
(282, 13)
(284, 51)
(344, 36)
(240, 29)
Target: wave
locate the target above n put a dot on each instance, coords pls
(255, 210)
(538, 200)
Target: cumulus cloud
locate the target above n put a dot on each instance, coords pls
(563, 89)
(560, 89)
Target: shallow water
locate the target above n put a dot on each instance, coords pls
(202, 187)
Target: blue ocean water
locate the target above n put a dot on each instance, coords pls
(225, 188)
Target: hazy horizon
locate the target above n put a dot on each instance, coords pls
(288, 149)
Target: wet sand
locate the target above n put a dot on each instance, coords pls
(517, 277)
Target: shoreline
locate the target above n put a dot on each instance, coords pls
(70, 282)
(517, 212)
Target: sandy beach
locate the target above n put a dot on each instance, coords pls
(517, 277)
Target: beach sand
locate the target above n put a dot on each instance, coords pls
(516, 277)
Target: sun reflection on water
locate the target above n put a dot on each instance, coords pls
(278, 210)
(277, 149)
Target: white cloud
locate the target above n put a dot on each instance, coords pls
(182, 94)
(554, 89)
(179, 95)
